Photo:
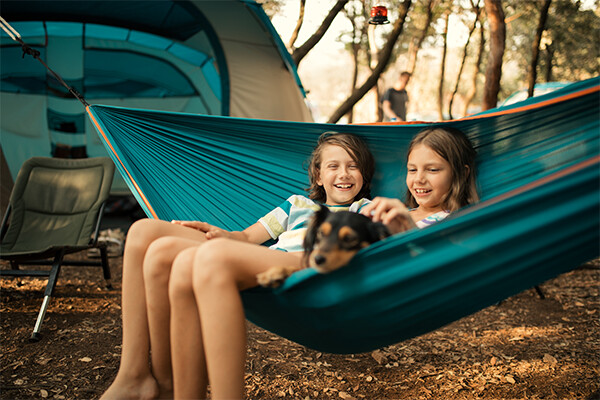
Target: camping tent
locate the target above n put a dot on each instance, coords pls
(220, 57)
(539, 89)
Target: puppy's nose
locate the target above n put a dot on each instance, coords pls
(320, 259)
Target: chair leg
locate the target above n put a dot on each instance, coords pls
(540, 292)
(105, 267)
(52, 278)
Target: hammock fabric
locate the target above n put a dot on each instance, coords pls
(539, 216)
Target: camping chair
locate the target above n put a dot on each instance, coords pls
(55, 209)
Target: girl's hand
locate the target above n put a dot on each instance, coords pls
(391, 212)
(209, 230)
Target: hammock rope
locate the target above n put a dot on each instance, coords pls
(14, 35)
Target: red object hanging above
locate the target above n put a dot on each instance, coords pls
(379, 15)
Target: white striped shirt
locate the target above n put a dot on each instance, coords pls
(288, 222)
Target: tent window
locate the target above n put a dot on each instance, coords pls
(22, 75)
(120, 63)
(106, 32)
(110, 73)
(65, 29)
(149, 40)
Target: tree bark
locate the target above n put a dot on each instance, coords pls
(373, 60)
(384, 59)
(549, 57)
(532, 73)
(301, 51)
(299, 23)
(464, 58)
(446, 17)
(416, 43)
(493, 72)
(473, 91)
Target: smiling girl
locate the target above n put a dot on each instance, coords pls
(440, 178)
(208, 342)
(184, 278)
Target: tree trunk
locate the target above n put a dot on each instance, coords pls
(549, 57)
(385, 55)
(294, 36)
(416, 43)
(301, 51)
(355, 46)
(377, 92)
(373, 60)
(532, 74)
(473, 91)
(446, 18)
(464, 58)
(493, 72)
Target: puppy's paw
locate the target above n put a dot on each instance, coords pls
(273, 277)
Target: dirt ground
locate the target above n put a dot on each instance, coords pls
(522, 348)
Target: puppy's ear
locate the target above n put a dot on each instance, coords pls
(311, 234)
(320, 215)
(378, 231)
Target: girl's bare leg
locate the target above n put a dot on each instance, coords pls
(221, 268)
(134, 379)
(157, 269)
(189, 364)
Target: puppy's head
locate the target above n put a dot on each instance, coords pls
(333, 238)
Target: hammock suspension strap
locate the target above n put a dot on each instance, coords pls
(14, 35)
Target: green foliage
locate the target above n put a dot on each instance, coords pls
(574, 34)
(571, 37)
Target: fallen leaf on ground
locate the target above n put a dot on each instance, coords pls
(549, 359)
(379, 357)
(346, 396)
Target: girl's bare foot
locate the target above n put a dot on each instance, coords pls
(128, 388)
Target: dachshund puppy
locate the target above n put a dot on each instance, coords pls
(332, 239)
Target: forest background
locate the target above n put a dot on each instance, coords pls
(464, 55)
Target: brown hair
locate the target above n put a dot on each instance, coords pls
(453, 146)
(356, 148)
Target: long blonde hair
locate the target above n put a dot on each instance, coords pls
(453, 146)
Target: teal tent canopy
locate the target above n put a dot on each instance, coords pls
(539, 177)
(214, 57)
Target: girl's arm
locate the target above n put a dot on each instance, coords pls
(391, 212)
(255, 233)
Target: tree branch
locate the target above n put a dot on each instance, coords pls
(532, 75)
(301, 51)
(417, 42)
(464, 58)
(298, 25)
(384, 58)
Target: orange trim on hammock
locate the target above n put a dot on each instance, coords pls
(548, 102)
(144, 199)
(538, 105)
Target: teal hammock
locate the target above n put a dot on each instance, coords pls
(539, 216)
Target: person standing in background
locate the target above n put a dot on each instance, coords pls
(395, 99)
